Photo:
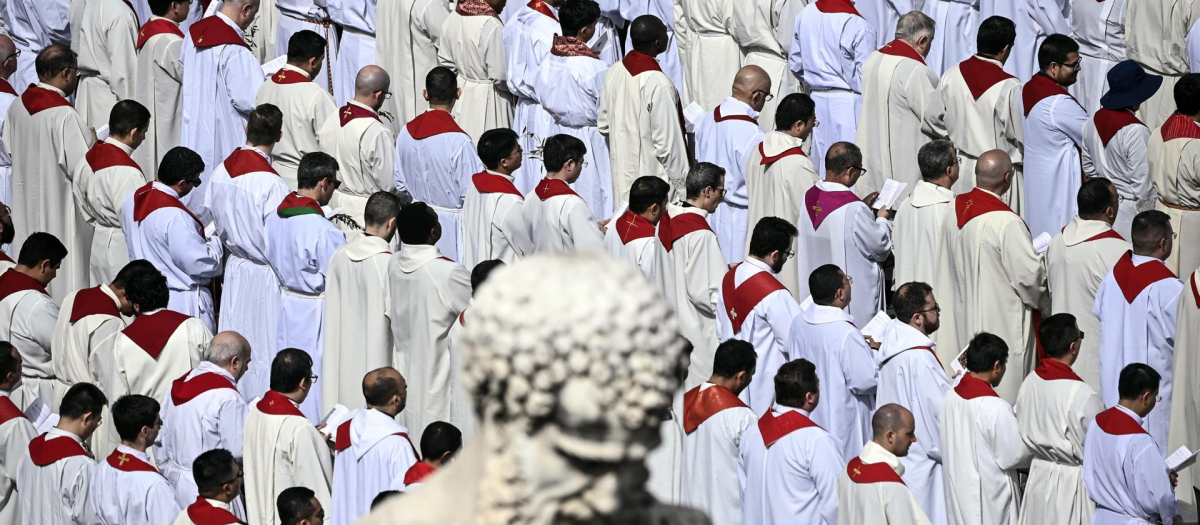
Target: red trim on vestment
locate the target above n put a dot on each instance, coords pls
(419, 471)
(93, 301)
(213, 31)
(971, 387)
(157, 27)
(491, 183)
(104, 155)
(184, 389)
(553, 188)
(747, 296)
(204, 513)
(820, 204)
(699, 405)
(352, 112)
(902, 49)
(863, 473)
(1052, 370)
(773, 428)
(1177, 126)
(975, 203)
(1116, 422)
(631, 227)
(38, 99)
(1039, 88)
(12, 281)
(431, 123)
(45, 452)
(837, 6)
(152, 331)
(671, 229)
(1132, 279)
(1109, 122)
(127, 463)
(980, 75)
(276, 404)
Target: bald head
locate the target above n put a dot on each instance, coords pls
(8, 51)
(649, 35)
(894, 429)
(225, 348)
(385, 390)
(241, 12)
(993, 172)
(371, 86)
(749, 81)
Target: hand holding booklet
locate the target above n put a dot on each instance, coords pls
(892, 189)
(338, 415)
(1181, 459)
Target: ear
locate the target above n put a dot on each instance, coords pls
(425, 94)
(457, 93)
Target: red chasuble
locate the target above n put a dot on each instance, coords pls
(1176, 127)
(722, 118)
(475, 8)
(93, 301)
(8, 410)
(45, 451)
(183, 390)
(975, 203)
(971, 388)
(12, 281)
(418, 472)
(204, 513)
(38, 99)
(774, 428)
(631, 227)
(980, 75)
(1134, 279)
(860, 472)
(152, 331)
(1118, 423)
(245, 160)
(276, 404)
(900, 48)
(741, 300)
(1052, 370)
(126, 463)
(1039, 88)
(351, 112)
(213, 31)
(431, 123)
(295, 204)
(157, 27)
(1109, 122)
(671, 229)
(820, 204)
(837, 6)
(553, 188)
(4, 257)
(104, 155)
(699, 405)
(491, 183)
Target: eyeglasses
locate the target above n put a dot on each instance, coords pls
(815, 122)
(722, 191)
(15, 54)
(313, 377)
(789, 254)
(849, 280)
(239, 475)
(1080, 336)
(937, 309)
(861, 171)
(336, 183)
(1074, 65)
(767, 95)
(386, 94)
(1158, 399)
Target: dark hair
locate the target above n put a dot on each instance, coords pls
(315, 166)
(180, 163)
(995, 34)
(733, 356)
(703, 175)
(295, 504)
(146, 288)
(381, 390)
(290, 368)
(304, 45)
(1057, 333)
(442, 85)
(439, 438)
(1095, 196)
(264, 126)
(127, 115)
(559, 149)
(160, 7)
(794, 108)
(1137, 379)
(824, 283)
(770, 234)
(53, 59)
(381, 206)
(793, 381)
(1149, 227)
(382, 497)
(1054, 50)
(494, 145)
(574, 15)
(212, 469)
(482, 272)
(984, 351)
(80, 399)
(415, 223)
(910, 299)
(837, 159)
(1187, 94)
(644, 31)
(8, 363)
(133, 412)
(647, 190)
(41, 246)
(935, 158)
(131, 271)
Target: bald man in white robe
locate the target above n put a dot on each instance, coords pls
(105, 43)
(871, 489)
(917, 230)
(159, 84)
(958, 21)
(306, 106)
(1173, 153)
(409, 38)
(831, 42)
(472, 45)
(763, 30)
(1076, 262)
(89, 317)
(897, 87)
(1115, 147)
(15, 433)
(1159, 35)
(714, 54)
(989, 277)
(32, 315)
(727, 136)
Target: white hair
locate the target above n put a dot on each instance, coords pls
(913, 26)
(221, 353)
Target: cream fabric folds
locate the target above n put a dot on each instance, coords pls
(75, 340)
(793, 480)
(494, 225)
(917, 233)
(306, 106)
(407, 43)
(107, 58)
(714, 56)
(366, 153)
(763, 30)
(1035, 20)
(876, 501)
(561, 222)
(957, 22)
(1121, 158)
(710, 462)
(357, 48)
(34, 26)
(376, 458)
(27, 320)
(159, 87)
(47, 140)
(727, 137)
(1156, 36)
(100, 185)
(1174, 159)
(1184, 414)
(1076, 263)
(527, 41)
(427, 294)
(15, 434)
(282, 451)
(896, 91)
(473, 46)
(131, 497)
(689, 275)
(57, 492)
(358, 334)
(777, 176)
(1123, 473)
(1099, 28)
(7, 97)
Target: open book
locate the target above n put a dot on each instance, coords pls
(892, 189)
(1181, 459)
(875, 327)
(38, 413)
(338, 415)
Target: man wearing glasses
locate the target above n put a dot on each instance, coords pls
(220, 478)
(1054, 123)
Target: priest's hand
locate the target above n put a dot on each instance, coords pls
(871, 342)
(1174, 480)
(603, 225)
(870, 199)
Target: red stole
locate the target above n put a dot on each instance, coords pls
(204, 513)
(1109, 234)
(12, 281)
(288, 76)
(184, 390)
(5, 87)
(541, 7)
(431, 123)
(820, 204)
(1038, 88)
(157, 27)
(419, 471)
(45, 452)
(860, 472)
(1176, 127)
(475, 8)
(104, 155)
(975, 203)
(152, 331)
(699, 405)
(569, 46)
(782, 155)
(1133, 279)
(350, 112)
(1195, 290)
(1052, 370)
(126, 463)
(970, 388)
(8, 410)
(837, 6)
(637, 62)
(722, 118)
(553, 188)
(747, 296)
(900, 48)
(4, 257)
(276, 404)
(149, 199)
(243, 161)
(295, 204)
(980, 75)
(631, 227)
(213, 31)
(38, 99)
(93, 301)
(491, 183)
(1109, 122)
(1116, 422)
(671, 229)
(773, 428)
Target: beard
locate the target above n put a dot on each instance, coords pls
(930, 328)
(778, 266)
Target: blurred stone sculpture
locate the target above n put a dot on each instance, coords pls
(572, 362)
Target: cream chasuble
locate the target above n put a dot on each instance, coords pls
(472, 45)
(1185, 408)
(102, 182)
(367, 152)
(407, 43)
(1173, 153)
(283, 450)
(306, 106)
(159, 87)
(15, 433)
(778, 174)
(104, 43)
(91, 316)
(872, 491)
(714, 420)
(632, 238)
(689, 267)
(1156, 36)
(559, 219)
(917, 233)
(1114, 147)
(958, 23)
(27, 319)
(358, 334)
(714, 56)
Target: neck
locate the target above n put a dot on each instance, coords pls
(265, 148)
(996, 190)
(942, 182)
(844, 181)
(918, 328)
(56, 84)
(883, 446)
(136, 445)
(914, 46)
(30, 272)
(74, 426)
(649, 52)
(1100, 218)
(1154, 254)
(1133, 406)
(443, 107)
(726, 382)
(232, 371)
(230, 10)
(390, 411)
(297, 396)
(376, 231)
(311, 193)
(985, 377)
(126, 140)
(223, 498)
(648, 216)
(791, 132)
(557, 175)
(997, 58)
(5, 74)
(745, 99)
(178, 18)
(302, 67)
(761, 260)
(1195, 118)
(1066, 359)
(498, 169)
(366, 101)
(694, 202)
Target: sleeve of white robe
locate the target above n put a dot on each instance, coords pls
(1071, 120)
(1152, 486)
(379, 154)
(465, 162)
(1004, 435)
(161, 505)
(77, 140)
(667, 134)
(824, 465)
(310, 460)
(1026, 273)
(1193, 47)
(856, 46)
(1087, 407)
(872, 235)
(459, 290)
(430, 22)
(169, 61)
(933, 392)
(243, 75)
(198, 257)
(1089, 166)
(1163, 313)
(514, 228)
(583, 227)
(41, 324)
(123, 58)
(105, 332)
(1014, 125)
(494, 59)
(1133, 141)
(781, 310)
(231, 425)
(76, 488)
(795, 53)
(934, 119)
(858, 365)
(704, 271)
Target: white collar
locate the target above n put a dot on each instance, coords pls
(364, 106)
(781, 410)
(206, 366)
(927, 194)
(1132, 414)
(58, 432)
(133, 452)
(124, 147)
(819, 314)
(742, 108)
(832, 186)
(296, 69)
(256, 150)
(874, 453)
(498, 174)
(365, 247)
(1139, 260)
(44, 85)
(414, 256)
(758, 264)
(165, 189)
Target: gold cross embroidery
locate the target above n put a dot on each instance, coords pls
(200, 40)
(857, 472)
(347, 112)
(142, 33)
(817, 207)
(271, 403)
(283, 75)
(632, 221)
(733, 313)
(967, 206)
(122, 459)
(546, 186)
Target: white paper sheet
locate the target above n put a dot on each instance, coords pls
(338, 415)
(1181, 459)
(1042, 242)
(875, 327)
(892, 189)
(691, 116)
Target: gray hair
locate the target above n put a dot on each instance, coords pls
(703, 175)
(935, 157)
(220, 353)
(913, 26)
